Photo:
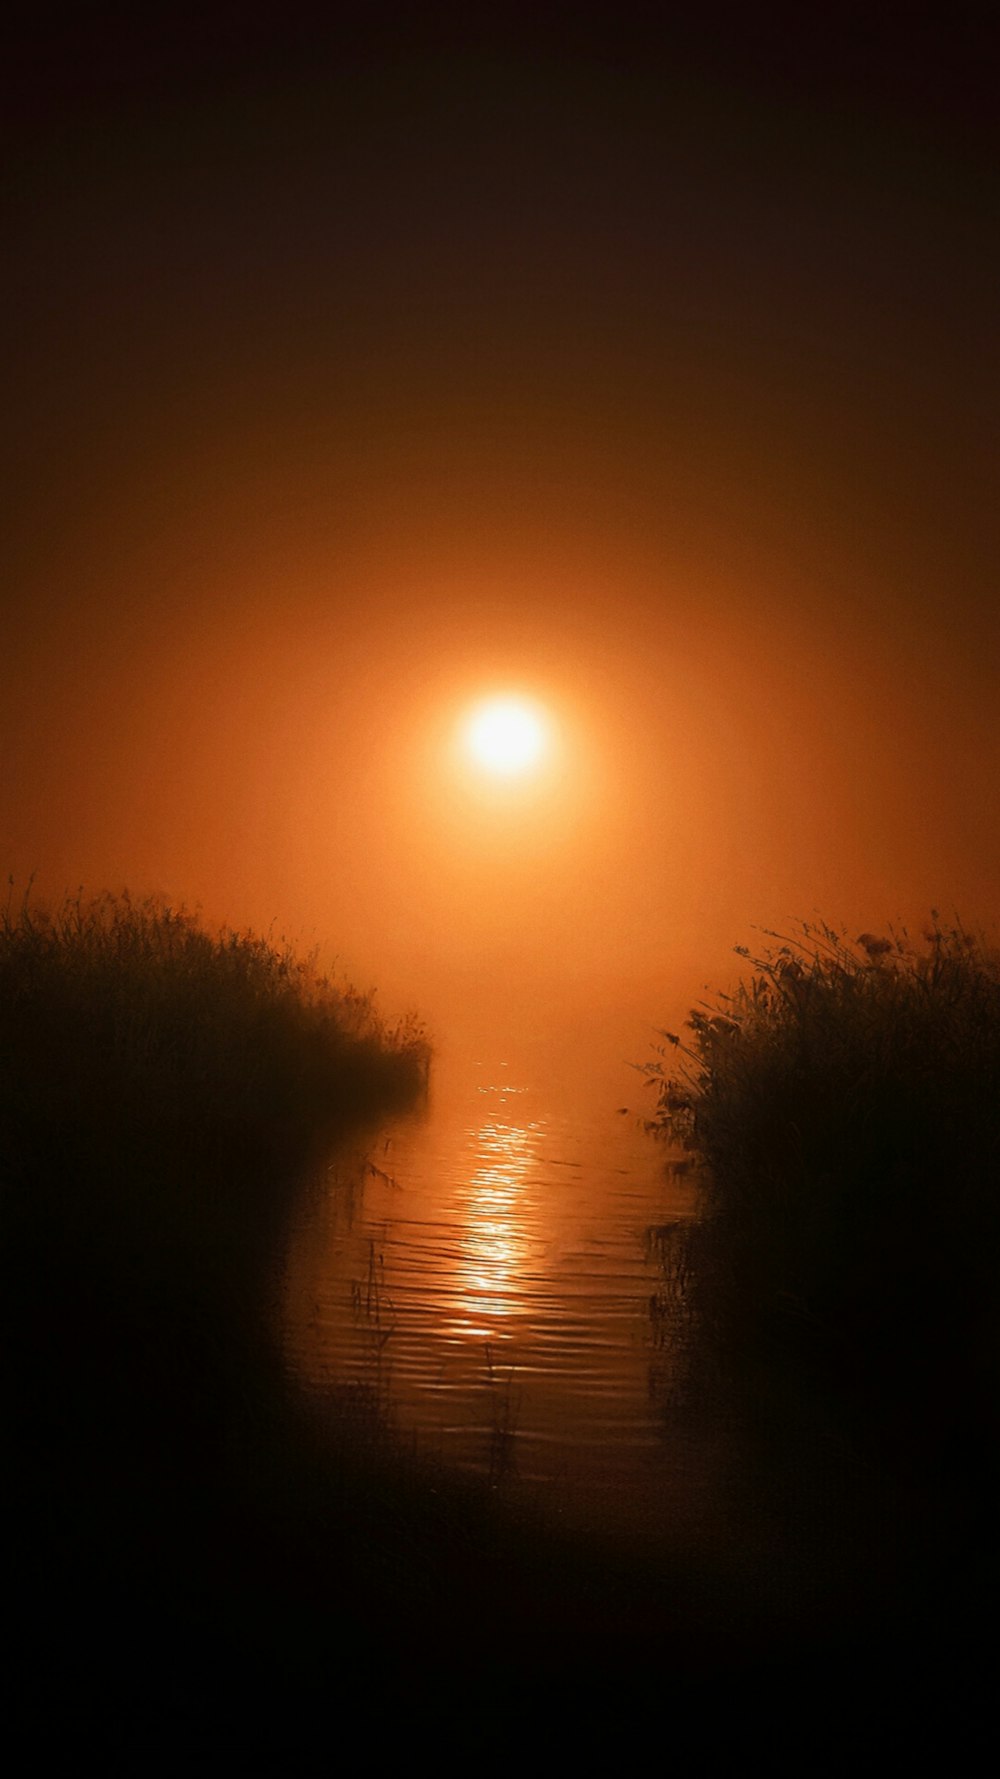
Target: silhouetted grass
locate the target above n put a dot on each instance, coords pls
(161, 1089)
(844, 1109)
(191, 1543)
(163, 1092)
(114, 1008)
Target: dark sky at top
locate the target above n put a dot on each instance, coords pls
(700, 301)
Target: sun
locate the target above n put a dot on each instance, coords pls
(506, 736)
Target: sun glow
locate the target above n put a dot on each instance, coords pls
(506, 736)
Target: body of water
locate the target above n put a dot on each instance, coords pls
(482, 1271)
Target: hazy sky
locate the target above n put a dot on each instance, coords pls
(356, 369)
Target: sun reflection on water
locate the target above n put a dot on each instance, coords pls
(485, 1280)
(494, 1244)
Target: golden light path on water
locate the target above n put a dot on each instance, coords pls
(487, 1281)
(482, 1274)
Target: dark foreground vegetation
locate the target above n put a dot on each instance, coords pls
(842, 1108)
(161, 1093)
(164, 1093)
(198, 1555)
(199, 1558)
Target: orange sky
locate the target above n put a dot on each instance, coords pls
(348, 385)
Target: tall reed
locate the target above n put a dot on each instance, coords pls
(843, 1109)
(163, 1091)
(122, 1009)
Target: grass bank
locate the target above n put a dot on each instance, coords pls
(192, 1543)
(128, 1011)
(842, 1108)
(161, 1090)
(163, 1093)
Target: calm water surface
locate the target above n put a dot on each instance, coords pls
(483, 1269)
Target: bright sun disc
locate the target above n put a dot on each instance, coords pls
(506, 736)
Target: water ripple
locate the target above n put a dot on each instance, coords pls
(492, 1269)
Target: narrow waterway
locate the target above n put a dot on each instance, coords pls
(482, 1270)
